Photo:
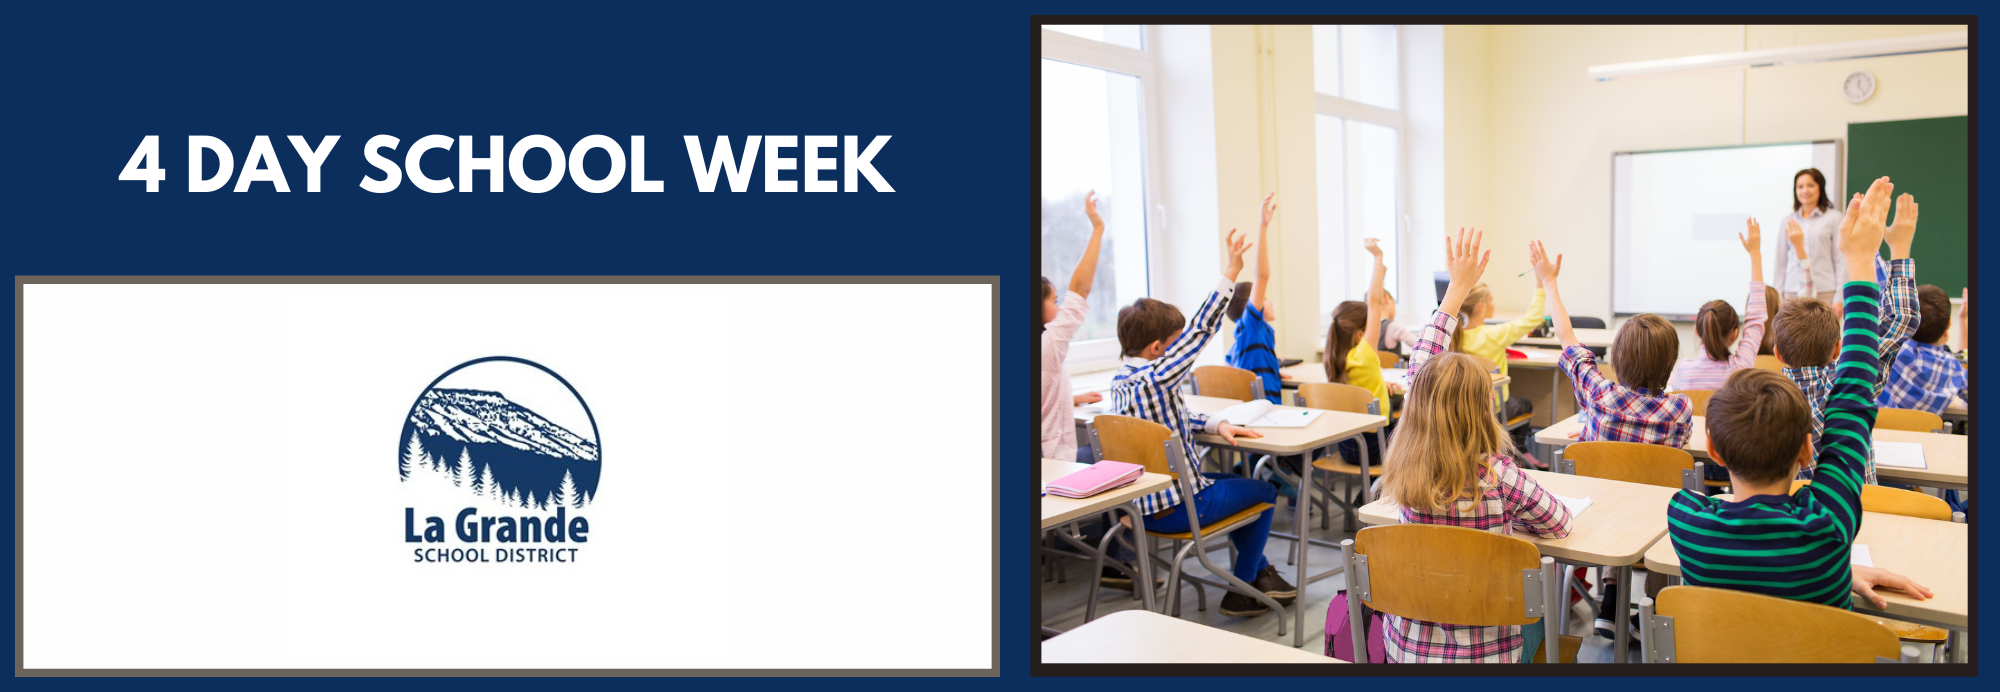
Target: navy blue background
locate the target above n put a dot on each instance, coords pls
(949, 81)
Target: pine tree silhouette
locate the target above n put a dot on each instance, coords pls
(486, 481)
(566, 492)
(413, 455)
(542, 503)
(464, 467)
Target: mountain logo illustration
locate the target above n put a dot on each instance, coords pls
(502, 433)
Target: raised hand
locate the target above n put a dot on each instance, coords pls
(1900, 235)
(1270, 210)
(1237, 246)
(1090, 209)
(1752, 237)
(1538, 258)
(1861, 232)
(1797, 234)
(1374, 247)
(1463, 258)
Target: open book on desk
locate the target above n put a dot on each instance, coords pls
(1261, 413)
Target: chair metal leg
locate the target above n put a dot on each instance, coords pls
(1103, 546)
(1356, 633)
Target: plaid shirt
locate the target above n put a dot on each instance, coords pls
(1925, 378)
(1617, 413)
(1898, 321)
(1504, 499)
(1151, 390)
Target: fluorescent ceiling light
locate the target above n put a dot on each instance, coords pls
(1795, 55)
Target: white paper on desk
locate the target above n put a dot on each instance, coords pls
(1860, 557)
(1292, 418)
(1576, 505)
(1902, 455)
(1243, 413)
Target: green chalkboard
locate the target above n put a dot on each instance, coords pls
(1926, 158)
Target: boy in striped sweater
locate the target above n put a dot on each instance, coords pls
(1769, 540)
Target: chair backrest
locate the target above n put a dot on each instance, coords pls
(1447, 574)
(1897, 501)
(1766, 362)
(1578, 322)
(1631, 462)
(1227, 382)
(1729, 626)
(1389, 359)
(1131, 440)
(1698, 397)
(1908, 419)
(1333, 396)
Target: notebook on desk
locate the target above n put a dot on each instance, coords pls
(1099, 477)
(1261, 413)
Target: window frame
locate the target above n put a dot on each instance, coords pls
(1396, 119)
(1103, 354)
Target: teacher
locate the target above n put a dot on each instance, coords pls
(1810, 234)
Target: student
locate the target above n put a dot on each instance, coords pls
(1395, 337)
(1350, 352)
(1769, 540)
(1637, 408)
(1059, 325)
(1158, 358)
(1490, 341)
(1452, 464)
(1253, 349)
(1808, 332)
(1927, 376)
(1728, 344)
(1771, 303)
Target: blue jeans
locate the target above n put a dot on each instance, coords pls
(1230, 494)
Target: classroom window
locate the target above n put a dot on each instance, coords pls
(1127, 35)
(1092, 139)
(1359, 158)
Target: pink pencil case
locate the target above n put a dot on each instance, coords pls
(1101, 476)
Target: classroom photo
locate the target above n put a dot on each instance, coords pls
(1556, 342)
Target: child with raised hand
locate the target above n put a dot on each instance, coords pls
(1490, 341)
(1728, 344)
(1350, 340)
(1254, 348)
(1807, 332)
(1770, 540)
(1158, 357)
(1059, 325)
(1635, 409)
(1452, 464)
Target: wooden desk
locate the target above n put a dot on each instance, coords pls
(1944, 455)
(1931, 552)
(1136, 636)
(1329, 428)
(1057, 511)
(1623, 520)
(1310, 373)
(1594, 338)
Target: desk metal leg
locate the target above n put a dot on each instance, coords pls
(1958, 641)
(1299, 524)
(1145, 585)
(1624, 620)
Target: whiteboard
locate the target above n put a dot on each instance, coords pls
(1675, 216)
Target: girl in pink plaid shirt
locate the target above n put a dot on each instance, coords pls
(1451, 463)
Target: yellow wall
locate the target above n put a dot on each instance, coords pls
(1530, 136)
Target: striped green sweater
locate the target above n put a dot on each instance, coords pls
(1796, 546)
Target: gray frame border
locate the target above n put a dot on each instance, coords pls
(20, 658)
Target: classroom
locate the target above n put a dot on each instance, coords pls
(1503, 343)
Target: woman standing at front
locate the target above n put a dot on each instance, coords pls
(1807, 255)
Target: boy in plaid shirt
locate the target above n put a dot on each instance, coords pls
(1926, 376)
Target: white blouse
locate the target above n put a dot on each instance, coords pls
(1822, 230)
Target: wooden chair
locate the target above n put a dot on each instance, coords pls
(1908, 419)
(1769, 363)
(1632, 462)
(1698, 397)
(1448, 574)
(1897, 501)
(1389, 359)
(1227, 382)
(1697, 624)
(1333, 396)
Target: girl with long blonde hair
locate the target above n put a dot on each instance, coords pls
(1451, 463)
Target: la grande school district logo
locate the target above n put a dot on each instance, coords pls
(505, 436)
